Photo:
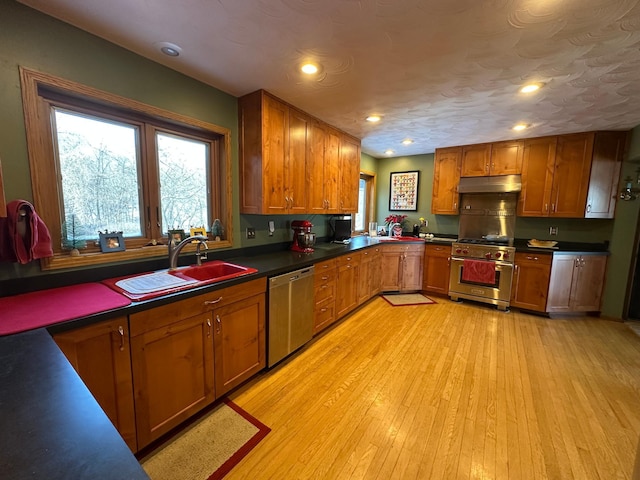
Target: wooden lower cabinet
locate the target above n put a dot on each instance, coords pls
(369, 274)
(239, 342)
(100, 354)
(437, 267)
(401, 267)
(173, 372)
(172, 354)
(324, 285)
(347, 283)
(576, 283)
(531, 281)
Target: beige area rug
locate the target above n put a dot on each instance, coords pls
(403, 299)
(209, 448)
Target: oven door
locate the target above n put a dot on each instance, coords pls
(497, 292)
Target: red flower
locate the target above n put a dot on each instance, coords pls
(395, 219)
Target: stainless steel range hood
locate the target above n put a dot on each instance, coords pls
(498, 184)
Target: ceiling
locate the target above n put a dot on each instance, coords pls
(440, 72)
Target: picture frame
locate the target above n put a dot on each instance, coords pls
(111, 242)
(198, 231)
(177, 235)
(403, 191)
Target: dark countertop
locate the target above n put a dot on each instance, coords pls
(53, 428)
(51, 425)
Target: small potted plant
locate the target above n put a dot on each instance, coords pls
(394, 224)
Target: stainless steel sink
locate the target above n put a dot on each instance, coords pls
(162, 282)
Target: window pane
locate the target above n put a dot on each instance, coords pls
(362, 205)
(100, 175)
(183, 182)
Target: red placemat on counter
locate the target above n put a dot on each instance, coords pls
(27, 311)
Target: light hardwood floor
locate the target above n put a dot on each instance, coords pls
(450, 391)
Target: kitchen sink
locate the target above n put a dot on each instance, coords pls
(162, 282)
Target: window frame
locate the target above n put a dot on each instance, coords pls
(44, 166)
(370, 203)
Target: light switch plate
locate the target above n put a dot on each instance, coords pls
(553, 230)
(272, 227)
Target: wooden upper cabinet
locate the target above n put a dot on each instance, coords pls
(608, 152)
(296, 164)
(264, 149)
(571, 175)
(291, 162)
(537, 176)
(490, 159)
(349, 173)
(506, 157)
(475, 160)
(446, 177)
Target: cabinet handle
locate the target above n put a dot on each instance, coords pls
(588, 208)
(455, 205)
(208, 327)
(218, 324)
(325, 277)
(546, 207)
(322, 310)
(553, 208)
(212, 302)
(121, 333)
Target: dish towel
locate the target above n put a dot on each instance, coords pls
(478, 271)
(24, 237)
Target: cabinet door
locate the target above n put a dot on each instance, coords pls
(296, 172)
(239, 342)
(364, 276)
(347, 284)
(332, 171)
(587, 293)
(608, 150)
(375, 271)
(446, 177)
(537, 177)
(531, 281)
(475, 160)
(100, 354)
(349, 171)
(172, 375)
(506, 157)
(571, 175)
(411, 274)
(437, 266)
(390, 269)
(560, 283)
(274, 156)
(316, 202)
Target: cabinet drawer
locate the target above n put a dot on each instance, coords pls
(538, 258)
(153, 318)
(325, 314)
(438, 250)
(324, 291)
(410, 247)
(324, 266)
(349, 259)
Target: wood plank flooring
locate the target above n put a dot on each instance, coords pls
(450, 391)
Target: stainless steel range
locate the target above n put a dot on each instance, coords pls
(481, 272)
(482, 259)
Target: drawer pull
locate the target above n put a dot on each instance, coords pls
(212, 302)
(121, 333)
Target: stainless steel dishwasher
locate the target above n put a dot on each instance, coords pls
(290, 313)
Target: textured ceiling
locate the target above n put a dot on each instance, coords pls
(441, 72)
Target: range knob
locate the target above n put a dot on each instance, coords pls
(505, 255)
(458, 250)
(498, 254)
(487, 256)
(465, 251)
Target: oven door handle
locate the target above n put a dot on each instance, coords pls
(496, 262)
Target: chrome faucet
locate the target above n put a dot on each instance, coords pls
(174, 250)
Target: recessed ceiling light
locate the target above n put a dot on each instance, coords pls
(309, 68)
(169, 49)
(520, 126)
(531, 87)
(389, 152)
(407, 141)
(373, 118)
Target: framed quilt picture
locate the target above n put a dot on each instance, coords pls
(403, 191)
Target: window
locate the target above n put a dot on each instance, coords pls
(120, 166)
(366, 199)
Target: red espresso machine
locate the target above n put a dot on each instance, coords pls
(303, 238)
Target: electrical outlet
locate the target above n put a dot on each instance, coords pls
(251, 232)
(553, 230)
